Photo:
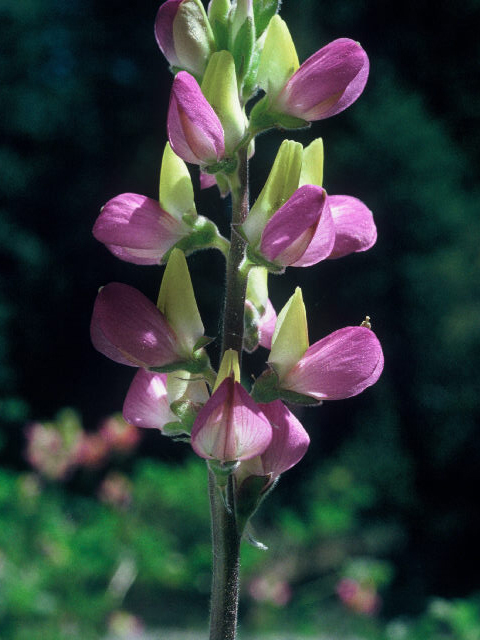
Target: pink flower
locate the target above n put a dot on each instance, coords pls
(327, 83)
(136, 229)
(184, 35)
(339, 366)
(128, 328)
(119, 435)
(146, 403)
(355, 229)
(194, 130)
(301, 232)
(230, 426)
(288, 445)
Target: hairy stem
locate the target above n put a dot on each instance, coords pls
(225, 533)
(236, 279)
(226, 561)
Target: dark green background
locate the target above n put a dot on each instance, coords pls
(83, 103)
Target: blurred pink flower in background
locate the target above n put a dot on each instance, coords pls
(359, 597)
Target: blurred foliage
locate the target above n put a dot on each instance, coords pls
(390, 484)
(77, 566)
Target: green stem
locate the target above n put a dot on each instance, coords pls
(225, 530)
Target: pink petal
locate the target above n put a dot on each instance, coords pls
(230, 426)
(266, 326)
(128, 328)
(194, 130)
(164, 30)
(289, 232)
(322, 242)
(207, 180)
(355, 229)
(136, 229)
(327, 83)
(146, 403)
(289, 439)
(339, 366)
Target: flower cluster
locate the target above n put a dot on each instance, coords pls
(220, 60)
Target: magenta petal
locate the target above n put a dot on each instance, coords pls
(230, 426)
(136, 229)
(355, 229)
(327, 83)
(322, 242)
(146, 403)
(266, 326)
(194, 130)
(128, 328)
(289, 439)
(339, 366)
(164, 30)
(289, 232)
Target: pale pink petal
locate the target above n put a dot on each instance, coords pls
(289, 439)
(289, 232)
(194, 130)
(128, 328)
(355, 229)
(339, 366)
(266, 326)
(230, 426)
(136, 229)
(327, 83)
(146, 403)
(164, 30)
(322, 242)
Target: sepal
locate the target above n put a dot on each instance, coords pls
(220, 88)
(176, 189)
(279, 59)
(264, 10)
(290, 338)
(176, 300)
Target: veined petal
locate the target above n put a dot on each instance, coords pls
(194, 130)
(355, 229)
(289, 439)
(327, 83)
(146, 403)
(322, 241)
(291, 229)
(136, 229)
(230, 426)
(339, 366)
(128, 328)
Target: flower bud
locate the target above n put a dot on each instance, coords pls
(194, 130)
(184, 35)
(325, 84)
